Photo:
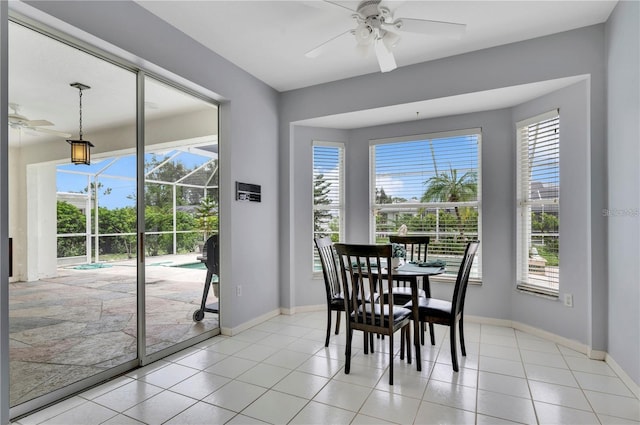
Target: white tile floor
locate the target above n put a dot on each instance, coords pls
(280, 372)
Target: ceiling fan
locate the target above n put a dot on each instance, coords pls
(377, 27)
(18, 121)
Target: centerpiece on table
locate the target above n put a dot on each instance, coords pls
(397, 252)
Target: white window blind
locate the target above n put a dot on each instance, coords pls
(431, 185)
(538, 262)
(328, 193)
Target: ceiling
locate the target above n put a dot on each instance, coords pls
(268, 39)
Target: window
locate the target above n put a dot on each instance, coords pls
(431, 185)
(328, 193)
(538, 205)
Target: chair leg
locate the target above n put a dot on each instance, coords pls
(462, 348)
(338, 316)
(371, 341)
(408, 332)
(326, 341)
(433, 336)
(454, 351)
(347, 363)
(402, 338)
(421, 333)
(366, 340)
(391, 359)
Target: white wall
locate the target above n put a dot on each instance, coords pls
(578, 52)
(248, 142)
(623, 160)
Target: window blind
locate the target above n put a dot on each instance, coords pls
(431, 185)
(328, 193)
(538, 223)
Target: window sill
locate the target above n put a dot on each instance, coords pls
(538, 291)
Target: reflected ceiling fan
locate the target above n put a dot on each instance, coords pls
(377, 27)
(19, 122)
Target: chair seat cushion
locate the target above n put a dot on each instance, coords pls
(432, 307)
(399, 313)
(402, 294)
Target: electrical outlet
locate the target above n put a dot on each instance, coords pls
(568, 300)
(239, 290)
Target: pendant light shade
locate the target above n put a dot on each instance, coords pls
(80, 149)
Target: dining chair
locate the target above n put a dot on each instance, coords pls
(335, 300)
(448, 313)
(417, 249)
(211, 258)
(362, 275)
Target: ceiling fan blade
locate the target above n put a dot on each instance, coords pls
(423, 26)
(339, 5)
(49, 131)
(38, 123)
(317, 51)
(385, 58)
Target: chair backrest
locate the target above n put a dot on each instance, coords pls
(329, 266)
(357, 262)
(212, 254)
(417, 246)
(462, 280)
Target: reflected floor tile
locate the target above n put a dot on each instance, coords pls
(506, 407)
(287, 358)
(231, 367)
(235, 395)
(343, 395)
(431, 413)
(543, 358)
(554, 414)
(504, 367)
(590, 366)
(602, 383)
(128, 395)
(503, 384)
(466, 377)
(451, 395)
(301, 384)
(200, 385)
(264, 375)
(202, 414)
(559, 394)
(320, 414)
(391, 407)
(87, 413)
(275, 407)
(614, 405)
(169, 376)
(160, 408)
(551, 375)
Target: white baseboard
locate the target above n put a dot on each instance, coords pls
(635, 388)
(249, 324)
(569, 343)
(304, 309)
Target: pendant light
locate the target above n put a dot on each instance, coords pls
(80, 149)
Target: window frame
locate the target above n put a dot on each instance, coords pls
(341, 146)
(373, 207)
(524, 203)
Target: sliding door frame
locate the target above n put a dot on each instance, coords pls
(7, 15)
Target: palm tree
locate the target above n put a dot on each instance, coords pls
(447, 187)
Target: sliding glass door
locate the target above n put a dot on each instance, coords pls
(180, 213)
(106, 272)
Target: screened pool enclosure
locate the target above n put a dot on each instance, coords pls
(96, 205)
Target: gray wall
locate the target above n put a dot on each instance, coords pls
(248, 142)
(577, 52)
(307, 290)
(623, 138)
(575, 238)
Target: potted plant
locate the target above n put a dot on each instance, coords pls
(397, 252)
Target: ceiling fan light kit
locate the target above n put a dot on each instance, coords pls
(376, 26)
(80, 149)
